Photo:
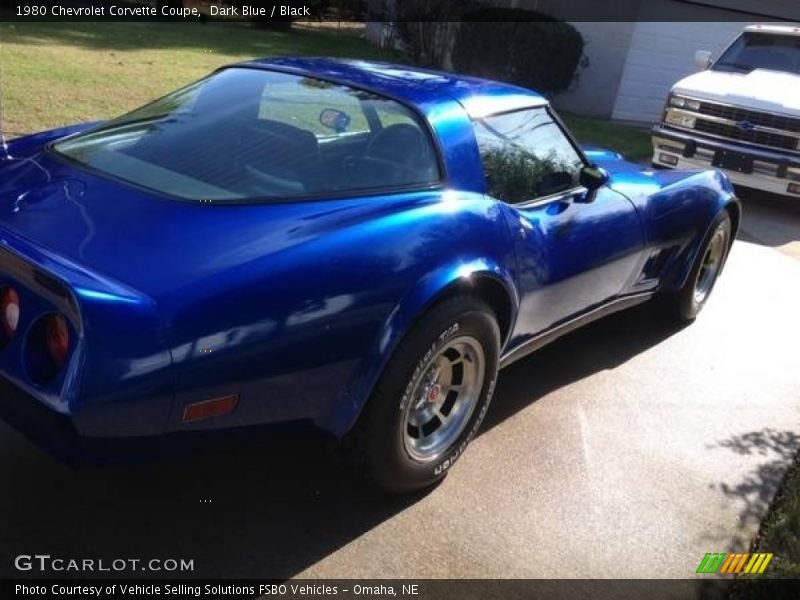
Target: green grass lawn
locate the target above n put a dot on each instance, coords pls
(780, 530)
(779, 534)
(60, 73)
(631, 142)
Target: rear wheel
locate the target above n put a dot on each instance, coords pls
(432, 397)
(691, 298)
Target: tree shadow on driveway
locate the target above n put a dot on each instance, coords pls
(754, 493)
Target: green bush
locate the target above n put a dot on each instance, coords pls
(518, 46)
(425, 28)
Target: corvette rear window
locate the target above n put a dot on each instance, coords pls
(244, 134)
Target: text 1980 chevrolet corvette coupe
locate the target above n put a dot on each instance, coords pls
(355, 245)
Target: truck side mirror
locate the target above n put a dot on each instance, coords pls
(702, 58)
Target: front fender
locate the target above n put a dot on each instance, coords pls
(677, 209)
(688, 209)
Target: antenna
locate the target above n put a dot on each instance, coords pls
(3, 141)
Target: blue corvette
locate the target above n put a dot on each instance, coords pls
(353, 245)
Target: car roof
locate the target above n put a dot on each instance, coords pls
(424, 88)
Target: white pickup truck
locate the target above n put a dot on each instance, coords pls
(740, 114)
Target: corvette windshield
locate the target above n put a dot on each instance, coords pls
(255, 134)
(761, 51)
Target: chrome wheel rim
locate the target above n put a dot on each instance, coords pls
(709, 269)
(443, 398)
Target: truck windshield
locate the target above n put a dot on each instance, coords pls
(754, 50)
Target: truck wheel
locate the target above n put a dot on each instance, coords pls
(691, 298)
(432, 397)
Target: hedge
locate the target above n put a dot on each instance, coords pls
(518, 46)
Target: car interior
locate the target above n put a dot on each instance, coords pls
(257, 157)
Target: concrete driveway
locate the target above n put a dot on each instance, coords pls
(628, 449)
(772, 222)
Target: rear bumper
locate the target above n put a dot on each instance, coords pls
(772, 171)
(59, 435)
(48, 429)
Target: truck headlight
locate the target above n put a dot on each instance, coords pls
(683, 102)
(674, 117)
(678, 101)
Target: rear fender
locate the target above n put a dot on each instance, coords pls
(118, 380)
(29, 145)
(445, 281)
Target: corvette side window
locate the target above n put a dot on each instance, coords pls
(526, 155)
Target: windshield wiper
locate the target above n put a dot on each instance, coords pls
(735, 65)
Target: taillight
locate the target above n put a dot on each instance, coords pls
(47, 348)
(9, 314)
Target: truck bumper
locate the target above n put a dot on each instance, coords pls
(769, 171)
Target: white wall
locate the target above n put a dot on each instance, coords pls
(660, 54)
(606, 46)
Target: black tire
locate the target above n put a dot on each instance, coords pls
(379, 442)
(687, 303)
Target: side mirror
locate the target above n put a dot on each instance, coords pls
(593, 177)
(335, 119)
(702, 58)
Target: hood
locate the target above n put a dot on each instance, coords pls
(627, 178)
(760, 89)
(638, 182)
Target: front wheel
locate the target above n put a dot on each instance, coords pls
(691, 298)
(432, 397)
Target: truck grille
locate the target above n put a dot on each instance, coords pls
(754, 137)
(726, 118)
(756, 118)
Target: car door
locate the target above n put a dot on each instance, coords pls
(576, 249)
